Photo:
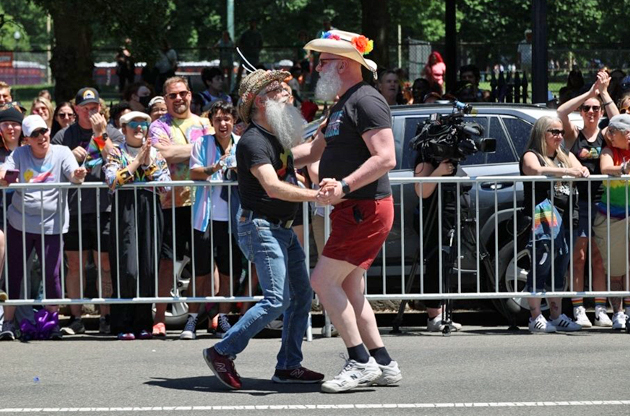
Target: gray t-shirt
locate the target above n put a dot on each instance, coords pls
(74, 136)
(56, 166)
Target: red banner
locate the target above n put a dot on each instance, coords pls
(6, 59)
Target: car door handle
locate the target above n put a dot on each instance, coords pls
(494, 186)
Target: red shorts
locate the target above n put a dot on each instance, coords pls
(358, 230)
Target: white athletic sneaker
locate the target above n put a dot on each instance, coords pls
(353, 375)
(390, 374)
(437, 325)
(601, 317)
(619, 320)
(579, 313)
(540, 325)
(190, 330)
(565, 324)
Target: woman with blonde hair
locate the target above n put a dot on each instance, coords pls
(544, 155)
(43, 108)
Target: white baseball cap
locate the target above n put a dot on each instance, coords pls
(32, 123)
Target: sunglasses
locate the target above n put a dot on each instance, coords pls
(624, 110)
(587, 108)
(556, 132)
(65, 115)
(181, 94)
(38, 132)
(134, 124)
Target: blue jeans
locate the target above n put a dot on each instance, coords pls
(282, 274)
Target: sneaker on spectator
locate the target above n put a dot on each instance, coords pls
(353, 375)
(126, 336)
(3, 295)
(579, 313)
(56, 333)
(541, 325)
(437, 325)
(390, 375)
(619, 320)
(298, 375)
(75, 327)
(223, 368)
(601, 317)
(223, 327)
(7, 331)
(190, 329)
(565, 324)
(159, 330)
(104, 327)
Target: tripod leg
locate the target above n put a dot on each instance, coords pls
(401, 309)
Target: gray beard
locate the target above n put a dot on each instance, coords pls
(286, 123)
(328, 84)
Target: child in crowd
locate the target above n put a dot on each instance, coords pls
(136, 225)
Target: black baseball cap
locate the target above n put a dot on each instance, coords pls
(86, 96)
(11, 114)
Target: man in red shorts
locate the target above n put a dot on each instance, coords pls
(357, 150)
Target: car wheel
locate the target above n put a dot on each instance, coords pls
(514, 279)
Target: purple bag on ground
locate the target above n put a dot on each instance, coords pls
(45, 323)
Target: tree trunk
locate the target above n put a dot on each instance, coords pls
(375, 24)
(72, 63)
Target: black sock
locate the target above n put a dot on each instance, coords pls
(381, 356)
(359, 354)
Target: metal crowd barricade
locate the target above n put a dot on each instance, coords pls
(489, 225)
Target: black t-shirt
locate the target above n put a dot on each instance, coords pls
(360, 109)
(74, 136)
(259, 147)
(588, 153)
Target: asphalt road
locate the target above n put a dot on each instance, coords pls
(480, 370)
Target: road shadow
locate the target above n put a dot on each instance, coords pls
(251, 386)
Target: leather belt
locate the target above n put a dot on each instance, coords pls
(246, 214)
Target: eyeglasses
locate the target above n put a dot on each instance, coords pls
(174, 95)
(556, 132)
(65, 115)
(134, 124)
(587, 108)
(624, 110)
(38, 132)
(323, 62)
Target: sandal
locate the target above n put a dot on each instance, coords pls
(159, 330)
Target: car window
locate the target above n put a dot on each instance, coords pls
(504, 152)
(479, 157)
(408, 155)
(519, 131)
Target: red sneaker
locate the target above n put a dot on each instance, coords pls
(223, 368)
(298, 375)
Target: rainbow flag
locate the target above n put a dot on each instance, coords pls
(94, 153)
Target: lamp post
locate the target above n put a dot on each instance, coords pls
(16, 35)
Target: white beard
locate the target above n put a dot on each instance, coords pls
(328, 84)
(286, 122)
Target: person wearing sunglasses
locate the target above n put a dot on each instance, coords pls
(63, 116)
(136, 225)
(35, 211)
(586, 145)
(174, 135)
(610, 226)
(544, 155)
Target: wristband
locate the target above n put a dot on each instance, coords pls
(345, 188)
(607, 103)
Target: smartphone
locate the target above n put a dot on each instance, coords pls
(11, 175)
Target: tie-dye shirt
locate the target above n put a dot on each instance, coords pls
(616, 188)
(40, 206)
(179, 131)
(117, 174)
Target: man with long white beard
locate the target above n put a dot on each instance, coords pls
(269, 201)
(356, 150)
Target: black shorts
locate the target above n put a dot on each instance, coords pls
(221, 239)
(89, 233)
(183, 233)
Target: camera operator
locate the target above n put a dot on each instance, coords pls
(426, 165)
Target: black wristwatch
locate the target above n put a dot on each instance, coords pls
(345, 188)
(105, 136)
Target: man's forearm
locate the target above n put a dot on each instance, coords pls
(176, 153)
(287, 192)
(373, 168)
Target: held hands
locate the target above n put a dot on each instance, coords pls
(330, 192)
(99, 124)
